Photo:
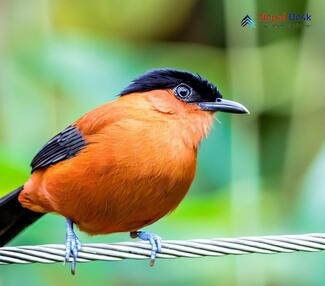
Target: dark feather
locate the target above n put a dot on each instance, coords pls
(13, 217)
(61, 147)
(169, 79)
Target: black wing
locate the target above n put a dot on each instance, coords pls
(61, 147)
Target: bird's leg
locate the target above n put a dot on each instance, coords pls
(72, 246)
(153, 239)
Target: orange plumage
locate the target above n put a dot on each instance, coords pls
(137, 167)
(123, 165)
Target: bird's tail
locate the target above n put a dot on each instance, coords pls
(13, 217)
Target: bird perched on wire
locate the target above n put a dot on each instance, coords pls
(123, 165)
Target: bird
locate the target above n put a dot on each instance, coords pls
(123, 165)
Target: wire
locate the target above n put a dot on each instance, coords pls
(52, 253)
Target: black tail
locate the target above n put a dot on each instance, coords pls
(13, 217)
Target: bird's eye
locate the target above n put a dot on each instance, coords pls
(183, 91)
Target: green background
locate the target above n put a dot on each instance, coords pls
(259, 174)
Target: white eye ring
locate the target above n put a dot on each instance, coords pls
(182, 91)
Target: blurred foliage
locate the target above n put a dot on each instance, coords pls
(261, 174)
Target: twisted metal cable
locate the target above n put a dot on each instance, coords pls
(51, 253)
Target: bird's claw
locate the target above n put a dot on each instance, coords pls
(72, 246)
(154, 240)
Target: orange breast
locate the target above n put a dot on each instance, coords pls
(134, 170)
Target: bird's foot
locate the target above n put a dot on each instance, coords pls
(72, 246)
(153, 239)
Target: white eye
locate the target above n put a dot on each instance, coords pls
(183, 91)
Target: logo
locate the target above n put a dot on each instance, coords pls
(285, 20)
(281, 20)
(285, 17)
(247, 20)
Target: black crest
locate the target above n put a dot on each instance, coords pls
(170, 79)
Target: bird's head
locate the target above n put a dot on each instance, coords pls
(191, 89)
(188, 100)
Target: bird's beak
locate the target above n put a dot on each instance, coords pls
(224, 106)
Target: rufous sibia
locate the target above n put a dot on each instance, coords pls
(123, 165)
